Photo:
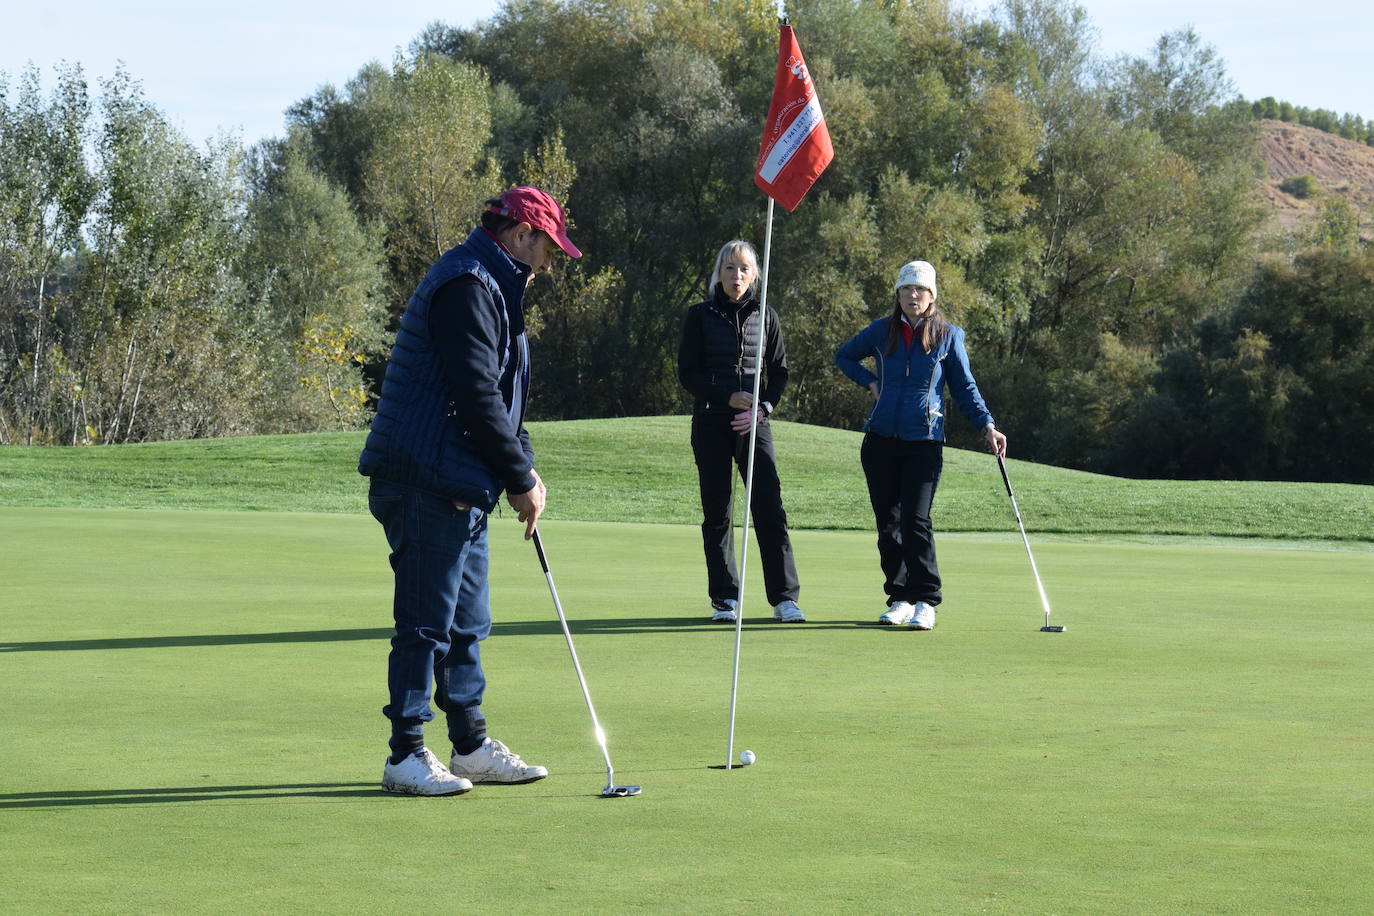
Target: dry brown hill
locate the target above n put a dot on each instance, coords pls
(1341, 166)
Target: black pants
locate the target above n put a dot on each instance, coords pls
(902, 477)
(716, 447)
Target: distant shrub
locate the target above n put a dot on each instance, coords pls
(1301, 186)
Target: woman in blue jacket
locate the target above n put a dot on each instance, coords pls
(915, 353)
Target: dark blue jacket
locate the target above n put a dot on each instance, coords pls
(910, 381)
(463, 441)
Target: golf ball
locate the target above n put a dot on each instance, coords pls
(746, 757)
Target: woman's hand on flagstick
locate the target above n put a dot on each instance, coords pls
(741, 400)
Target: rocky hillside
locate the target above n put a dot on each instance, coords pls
(1340, 166)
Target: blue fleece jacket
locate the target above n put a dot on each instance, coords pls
(910, 403)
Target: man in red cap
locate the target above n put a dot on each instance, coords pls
(448, 438)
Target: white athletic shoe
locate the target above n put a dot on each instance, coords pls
(788, 612)
(898, 614)
(723, 611)
(421, 773)
(923, 618)
(494, 762)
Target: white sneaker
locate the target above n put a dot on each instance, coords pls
(788, 612)
(421, 773)
(723, 611)
(494, 762)
(923, 618)
(898, 614)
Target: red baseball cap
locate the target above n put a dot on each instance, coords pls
(536, 207)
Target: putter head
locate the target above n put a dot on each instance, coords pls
(620, 791)
(1057, 628)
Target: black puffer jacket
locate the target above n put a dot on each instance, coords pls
(719, 350)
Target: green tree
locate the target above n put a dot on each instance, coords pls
(1338, 226)
(339, 129)
(169, 351)
(831, 249)
(1219, 408)
(45, 192)
(428, 171)
(1278, 388)
(1084, 215)
(317, 276)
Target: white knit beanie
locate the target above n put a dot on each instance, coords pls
(916, 273)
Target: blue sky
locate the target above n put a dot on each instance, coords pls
(238, 66)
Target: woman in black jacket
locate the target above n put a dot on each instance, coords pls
(716, 360)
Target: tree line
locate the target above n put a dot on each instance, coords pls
(1350, 126)
(150, 289)
(1093, 221)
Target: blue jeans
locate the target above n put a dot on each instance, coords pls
(442, 611)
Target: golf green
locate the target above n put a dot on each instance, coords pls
(194, 726)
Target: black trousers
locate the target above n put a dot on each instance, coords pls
(902, 477)
(716, 447)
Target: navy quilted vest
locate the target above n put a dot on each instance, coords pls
(414, 440)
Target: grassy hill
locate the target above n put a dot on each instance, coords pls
(640, 470)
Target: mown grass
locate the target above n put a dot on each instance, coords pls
(193, 726)
(640, 470)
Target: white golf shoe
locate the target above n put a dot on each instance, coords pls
(788, 612)
(923, 618)
(723, 611)
(898, 614)
(421, 773)
(494, 762)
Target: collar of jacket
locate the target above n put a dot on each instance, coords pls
(508, 273)
(729, 307)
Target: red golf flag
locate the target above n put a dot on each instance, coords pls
(796, 145)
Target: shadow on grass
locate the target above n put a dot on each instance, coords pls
(193, 794)
(187, 794)
(520, 628)
(205, 639)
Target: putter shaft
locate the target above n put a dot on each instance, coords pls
(1040, 587)
(581, 679)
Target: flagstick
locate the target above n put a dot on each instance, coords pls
(749, 479)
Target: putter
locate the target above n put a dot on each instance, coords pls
(612, 790)
(1044, 601)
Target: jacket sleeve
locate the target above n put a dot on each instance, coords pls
(691, 361)
(775, 365)
(524, 436)
(962, 387)
(850, 352)
(464, 325)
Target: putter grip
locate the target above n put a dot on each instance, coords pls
(1006, 481)
(539, 549)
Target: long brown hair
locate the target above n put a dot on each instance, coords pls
(933, 327)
